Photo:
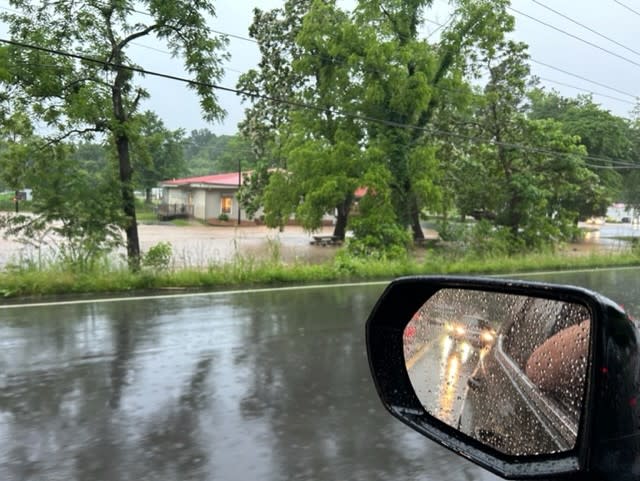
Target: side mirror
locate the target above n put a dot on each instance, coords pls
(517, 377)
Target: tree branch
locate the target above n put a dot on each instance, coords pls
(133, 36)
(85, 79)
(99, 127)
(177, 31)
(136, 100)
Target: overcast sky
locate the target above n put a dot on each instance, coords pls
(178, 106)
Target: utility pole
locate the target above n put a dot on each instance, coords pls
(239, 185)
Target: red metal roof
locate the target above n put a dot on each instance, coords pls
(229, 178)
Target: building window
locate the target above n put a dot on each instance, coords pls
(225, 206)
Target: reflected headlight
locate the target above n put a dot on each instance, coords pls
(487, 336)
(459, 330)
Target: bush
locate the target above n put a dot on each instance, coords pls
(378, 240)
(485, 240)
(452, 231)
(158, 257)
(223, 217)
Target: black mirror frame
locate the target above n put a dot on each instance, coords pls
(384, 332)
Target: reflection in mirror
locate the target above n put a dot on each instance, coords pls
(507, 370)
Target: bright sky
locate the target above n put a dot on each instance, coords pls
(178, 106)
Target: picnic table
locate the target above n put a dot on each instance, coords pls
(326, 240)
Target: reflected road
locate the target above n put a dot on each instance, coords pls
(442, 390)
(265, 385)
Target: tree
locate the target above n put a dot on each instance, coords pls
(82, 97)
(368, 63)
(275, 32)
(533, 173)
(631, 192)
(92, 156)
(266, 121)
(161, 153)
(406, 82)
(323, 145)
(206, 153)
(604, 135)
(78, 206)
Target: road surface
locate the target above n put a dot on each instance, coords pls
(267, 384)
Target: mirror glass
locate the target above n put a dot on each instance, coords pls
(507, 370)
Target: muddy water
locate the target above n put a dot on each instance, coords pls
(198, 245)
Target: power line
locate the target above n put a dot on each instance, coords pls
(627, 7)
(599, 94)
(322, 109)
(552, 67)
(618, 99)
(365, 118)
(566, 17)
(440, 25)
(580, 39)
(558, 69)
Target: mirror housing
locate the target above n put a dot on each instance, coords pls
(608, 439)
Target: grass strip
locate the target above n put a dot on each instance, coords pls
(58, 280)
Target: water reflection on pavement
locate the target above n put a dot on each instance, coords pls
(268, 385)
(271, 385)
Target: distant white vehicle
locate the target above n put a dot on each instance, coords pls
(620, 212)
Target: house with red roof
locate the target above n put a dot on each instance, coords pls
(203, 197)
(211, 197)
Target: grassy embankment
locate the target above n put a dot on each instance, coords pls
(247, 272)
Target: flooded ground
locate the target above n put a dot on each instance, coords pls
(196, 245)
(199, 245)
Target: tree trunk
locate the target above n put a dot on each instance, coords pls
(128, 203)
(415, 219)
(126, 173)
(147, 198)
(343, 215)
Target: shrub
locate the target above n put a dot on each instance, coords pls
(378, 241)
(223, 217)
(485, 240)
(158, 257)
(452, 231)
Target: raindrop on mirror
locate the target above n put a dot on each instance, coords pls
(507, 370)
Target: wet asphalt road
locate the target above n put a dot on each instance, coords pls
(254, 385)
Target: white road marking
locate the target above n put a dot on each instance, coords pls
(190, 294)
(290, 288)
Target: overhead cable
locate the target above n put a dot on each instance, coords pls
(608, 162)
(566, 17)
(577, 37)
(627, 7)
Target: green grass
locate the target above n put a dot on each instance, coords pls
(181, 222)
(57, 280)
(145, 212)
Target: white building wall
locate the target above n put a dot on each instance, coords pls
(198, 202)
(213, 206)
(174, 196)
